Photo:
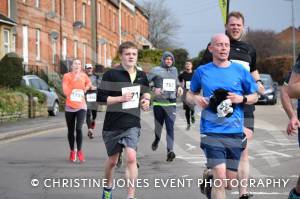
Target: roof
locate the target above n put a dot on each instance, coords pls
(6, 20)
(136, 5)
(286, 35)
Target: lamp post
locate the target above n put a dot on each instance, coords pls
(293, 31)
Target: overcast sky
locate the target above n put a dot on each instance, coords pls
(200, 19)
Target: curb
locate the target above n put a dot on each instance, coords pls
(19, 133)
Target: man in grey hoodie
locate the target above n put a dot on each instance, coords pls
(166, 89)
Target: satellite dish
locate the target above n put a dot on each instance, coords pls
(78, 24)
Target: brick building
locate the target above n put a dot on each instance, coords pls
(47, 33)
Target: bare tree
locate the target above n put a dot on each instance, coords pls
(162, 24)
(265, 42)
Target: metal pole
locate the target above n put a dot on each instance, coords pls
(228, 4)
(120, 22)
(293, 32)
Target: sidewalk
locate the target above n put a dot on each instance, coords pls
(27, 126)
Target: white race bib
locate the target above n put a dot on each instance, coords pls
(134, 102)
(169, 85)
(91, 97)
(77, 95)
(188, 85)
(244, 63)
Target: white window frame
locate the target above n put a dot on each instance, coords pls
(84, 13)
(37, 3)
(84, 53)
(114, 22)
(25, 44)
(105, 55)
(100, 54)
(63, 8)
(64, 48)
(6, 41)
(99, 12)
(74, 10)
(53, 5)
(53, 46)
(75, 49)
(13, 43)
(8, 9)
(38, 44)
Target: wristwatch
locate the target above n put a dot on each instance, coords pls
(259, 81)
(245, 99)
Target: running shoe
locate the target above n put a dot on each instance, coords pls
(80, 156)
(106, 194)
(193, 119)
(154, 144)
(170, 156)
(188, 127)
(90, 134)
(293, 194)
(205, 186)
(246, 196)
(73, 156)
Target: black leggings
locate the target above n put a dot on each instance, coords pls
(90, 116)
(188, 113)
(72, 118)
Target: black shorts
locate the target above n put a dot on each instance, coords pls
(249, 116)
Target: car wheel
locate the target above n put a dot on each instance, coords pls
(55, 109)
(273, 102)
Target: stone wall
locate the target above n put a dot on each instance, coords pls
(23, 108)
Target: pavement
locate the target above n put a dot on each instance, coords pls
(28, 126)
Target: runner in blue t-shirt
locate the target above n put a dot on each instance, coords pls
(228, 86)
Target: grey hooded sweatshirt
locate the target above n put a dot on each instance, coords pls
(165, 77)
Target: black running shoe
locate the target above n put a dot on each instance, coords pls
(154, 145)
(205, 186)
(170, 157)
(246, 196)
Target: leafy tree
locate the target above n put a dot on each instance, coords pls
(11, 70)
(181, 55)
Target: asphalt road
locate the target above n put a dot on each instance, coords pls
(36, 166)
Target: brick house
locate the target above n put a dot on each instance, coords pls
(47, 33)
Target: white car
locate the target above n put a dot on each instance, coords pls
(37, 83)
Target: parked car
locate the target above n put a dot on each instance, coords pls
(270, 94)
(37, 83)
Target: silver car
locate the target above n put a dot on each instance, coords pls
(270, 94)
(37, 83)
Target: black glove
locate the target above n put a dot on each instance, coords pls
(219, 103)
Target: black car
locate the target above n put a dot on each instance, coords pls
(270, 94)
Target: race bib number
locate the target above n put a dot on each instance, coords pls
(188, 85)
(91, 97)
(169, 85)
(244, 63)
(135, 100)
(77, 95)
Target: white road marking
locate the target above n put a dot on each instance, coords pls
(263, 193)
(270, 153)
(190, 147)
(284, 143)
